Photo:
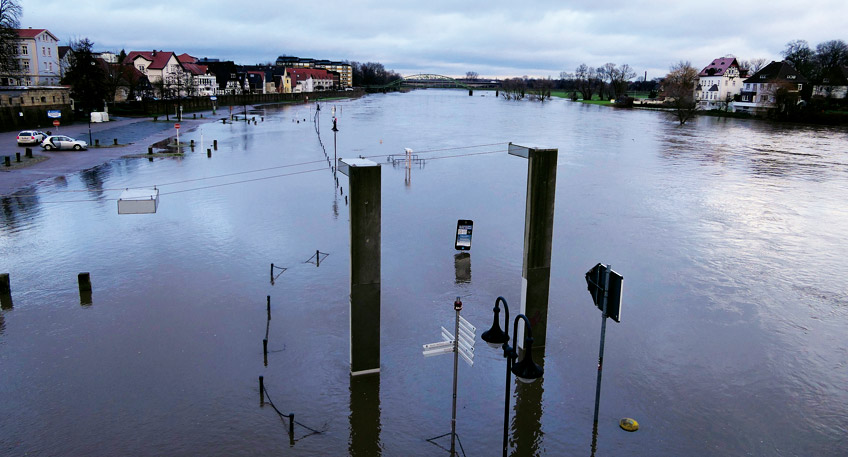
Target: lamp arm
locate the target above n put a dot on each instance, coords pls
(506, 314)
(527, 329)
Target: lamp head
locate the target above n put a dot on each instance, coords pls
(526, 370)
(495, 337)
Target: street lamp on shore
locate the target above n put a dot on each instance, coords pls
(525, 370)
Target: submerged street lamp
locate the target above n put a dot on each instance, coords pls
(524, 370)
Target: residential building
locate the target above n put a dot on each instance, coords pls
(834, 84)
(168, 76)
(344, 70)
(203, 83)
(38, 59)
(718, 83)
(310, 79)
(775, 85)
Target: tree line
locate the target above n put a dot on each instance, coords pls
(372, 74)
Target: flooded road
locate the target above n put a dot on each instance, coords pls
(729, 234)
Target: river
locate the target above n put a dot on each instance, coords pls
(729, 234)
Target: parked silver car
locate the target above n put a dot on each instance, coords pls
(30, 137)
(63, 142)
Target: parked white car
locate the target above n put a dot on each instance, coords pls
(63, 142)
(30, 137)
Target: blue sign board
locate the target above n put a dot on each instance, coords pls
(54, 114)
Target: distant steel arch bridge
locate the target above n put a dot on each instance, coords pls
(424, 80)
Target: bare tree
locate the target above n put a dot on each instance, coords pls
(541, 89)
(584, 78)
(620, 78)
(831, 54)
(753, 65)
(10, 13)
(679, 88)
(472, 75)
(513, 88)
(799, 54)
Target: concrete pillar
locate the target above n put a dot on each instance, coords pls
(5, 285)
(538, 237)
(365, 220)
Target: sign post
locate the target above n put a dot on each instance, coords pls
(461, 345)
(56, 124)
(177, 126)
(605, 286)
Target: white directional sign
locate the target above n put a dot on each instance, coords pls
(464, 345)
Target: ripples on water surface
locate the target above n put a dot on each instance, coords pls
(729, 234)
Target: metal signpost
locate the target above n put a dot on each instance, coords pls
(177, 126)
(461, 346)
(605, 286)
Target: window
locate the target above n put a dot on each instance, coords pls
(43, 51)
(800, 86)
(790, 76)
(762, 76)
(50, 66)
(50, 51)
(25, 65)
(24, 50)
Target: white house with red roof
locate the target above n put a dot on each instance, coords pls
(203, 82)
(166, 73)
(310, 79)
(718, 83)
(38, 59)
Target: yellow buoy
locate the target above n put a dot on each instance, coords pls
(628, 424)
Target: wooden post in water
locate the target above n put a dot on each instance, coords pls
(269, 307)
(5, 292)
(365, 225)
(261, 390)
(538, 237)
(215, 144)
(84, 280)
(5, 287)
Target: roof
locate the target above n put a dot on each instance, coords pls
(718, 66)
(185, 58)
(157, 59)
(302, 74)
(777, 71)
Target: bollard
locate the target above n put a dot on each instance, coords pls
(29, 152)
(215, 144)
(195, 115)
(291, 426)
(263, 118)
(223, 121)
(265, 351)
(17, 157)
(201, 115)
(150, 159)
(150, 150)
(192, 143)
(470, 92)
(345, 199)
(269, 307)
(8, 162)
(272, 271)
(96, 142)
(115, 140)
(254, 122)
(208, 153)
(261, 390)
(317, 258)
(6, 289)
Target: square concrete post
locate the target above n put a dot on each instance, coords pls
(538, 237)
(365, 220)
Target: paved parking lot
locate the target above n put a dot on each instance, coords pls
(134, 136)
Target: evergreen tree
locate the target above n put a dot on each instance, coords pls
(86, 77)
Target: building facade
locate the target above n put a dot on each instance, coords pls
(718, 83)
(775, 85)
(38, 59)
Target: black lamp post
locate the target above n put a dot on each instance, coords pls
(525, 370)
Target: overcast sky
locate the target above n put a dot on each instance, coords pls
(493, 38)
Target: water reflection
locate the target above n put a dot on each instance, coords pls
(365, 416)
(526, 427)
(5, 303)
(18, 208)
(462, 266)
(93, 179)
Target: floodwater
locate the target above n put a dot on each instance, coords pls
(730, 235)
